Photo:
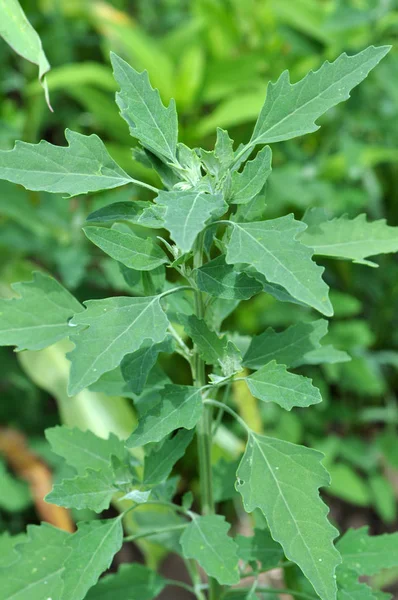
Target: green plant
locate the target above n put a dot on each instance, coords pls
(219, 249)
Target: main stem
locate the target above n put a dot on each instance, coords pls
(204, 427)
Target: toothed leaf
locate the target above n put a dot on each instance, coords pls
(291, 110)
(81, 167)
(114, 327)
(282, 480)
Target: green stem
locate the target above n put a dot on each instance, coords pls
(204, 427)
(180, 584)
(144, 185)
(230, 411)
(193, 571)
(144, 534)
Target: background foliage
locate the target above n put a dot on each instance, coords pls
(215, 58)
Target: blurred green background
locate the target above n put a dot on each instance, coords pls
(215, 57)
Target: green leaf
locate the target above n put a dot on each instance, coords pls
(39, 317)
(352, 239)
(260, 547)
(145, 214)
(83, 450)
(223, 149)
(115, 327)
(291, 110)
(93, 547)
(131, 582)
(40, 568)
(136, 367)
(160, 461)
(291, 347)
(209, 345)
(154, 125)
(272, 249)
(367, 555)
(8, 544)
(83, 166)
(206, 540)
(94, 490)
(180, 406)
(223, 281)
(282, 480)
(273, 383)
(246, 185)
(214, 350)
(23, 39)
(187, 212)
(142, 254)
(349, 588)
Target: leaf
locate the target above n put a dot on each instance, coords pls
(223, 149)
(8, 552)
(159, 463)
(145, 214)
(115, 327)
(23, 39)
(260, 547)
(94, 490)
(352, 239)
(180, 406)
(142, 254)
(290, 347)
(214, 350)
(136, 367)
(38, 572)
(39, 317)
(186, 214)
(210, 346)
(206, 540)
(349, 588)
(282, 480)
(83, 450)
(291, 110)
(223, 281)
(81, 167)
(248, 184)
(367, 555)
(93, 547)
(272, 249)
(273, 383)
(131, 582)
(154, 125)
